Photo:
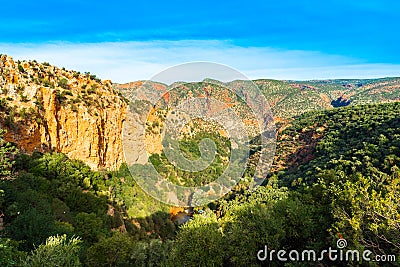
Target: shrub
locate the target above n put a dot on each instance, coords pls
(20, 68)
(10, 120)
(9, 254)
(47, 83)
(23, 97)
(74, 108)
(57, 251)
(39, 104)
(7, 152)
(20, 88)
(63, 83)
(3, 103)
(22, 113)
(92, 89)
(60, 96)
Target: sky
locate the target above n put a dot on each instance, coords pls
(134, 40)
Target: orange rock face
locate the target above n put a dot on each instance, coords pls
(81, 117)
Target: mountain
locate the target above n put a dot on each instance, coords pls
(45, 108)
(291, 98)
(335, 178)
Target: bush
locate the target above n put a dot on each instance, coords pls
(92, 89)
(47, 83)
(10, 119)
(200, 241)
(32, 226)
(23, 97)
(123, 250)
(22, 113)
(57, 251)
(20, 88)
(63, 83)
(20, 68)
(9, 254)
(3, 103)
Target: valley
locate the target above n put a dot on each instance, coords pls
(67, 189)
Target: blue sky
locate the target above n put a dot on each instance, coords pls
(129, 40)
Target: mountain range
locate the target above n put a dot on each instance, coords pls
(45, 108)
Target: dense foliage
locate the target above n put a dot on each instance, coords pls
(341, 179)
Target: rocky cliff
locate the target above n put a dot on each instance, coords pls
(45, 108)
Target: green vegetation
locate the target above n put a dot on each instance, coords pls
(349, 188)
(287, 100)
(61, 96)
(45, 82)
(9, 254)
(92, 89)
(23, 97)
(3, 104)
(63, 83)
(337, 174)
(57, 251)
(20, 68)
(189, 147)
(356, 170)
(50, 195)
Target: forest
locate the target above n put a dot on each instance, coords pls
(336, 176)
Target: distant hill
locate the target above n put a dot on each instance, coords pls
(291, 98)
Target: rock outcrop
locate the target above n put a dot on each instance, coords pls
(45, 108)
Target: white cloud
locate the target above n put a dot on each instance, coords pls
(130, 61)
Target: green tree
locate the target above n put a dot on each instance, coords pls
(199, 242)
(9, 254)
(63, 83)
(7, 154)
(32, 227)
(89, 227)
(123, 250)
(367, 213)
(57, 251)
(112, 251)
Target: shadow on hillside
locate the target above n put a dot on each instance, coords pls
(156, 226)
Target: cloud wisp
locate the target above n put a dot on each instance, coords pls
(129, 61)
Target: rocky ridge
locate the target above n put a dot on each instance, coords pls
(45, 108)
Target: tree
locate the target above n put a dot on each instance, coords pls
(199, 242)
(7, 154)
(367, 211)
(31, 226)
(57, 251)
(112, 251)
(9, 254)
(123, 250)
(89, 226)
(63, 83)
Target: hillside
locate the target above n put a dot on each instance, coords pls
(291, 98)
(45, 108)
(358, 91)
(339, 179)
